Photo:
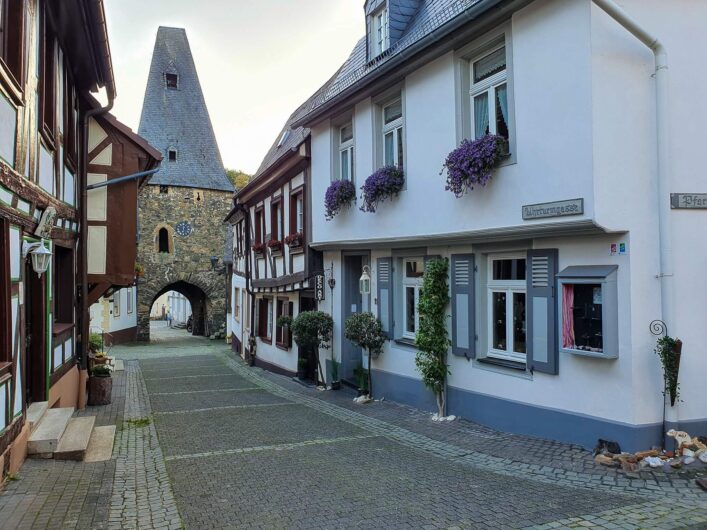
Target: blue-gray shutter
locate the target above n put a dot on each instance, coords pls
(385, 294)
(463, 306)
(541, 311)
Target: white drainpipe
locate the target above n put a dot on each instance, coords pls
(663, 149)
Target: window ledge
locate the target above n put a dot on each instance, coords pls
(512, 365)
(5, 369)
(61, 328)
(409, 343)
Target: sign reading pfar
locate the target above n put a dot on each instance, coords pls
(319, 284)
(688, 201)
(553, 209)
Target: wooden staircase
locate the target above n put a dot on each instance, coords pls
(57, 433)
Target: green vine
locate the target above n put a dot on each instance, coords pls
(432, 338)
(668, 350)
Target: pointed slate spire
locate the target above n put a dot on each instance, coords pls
(175, 119)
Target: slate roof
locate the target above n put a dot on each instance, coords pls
(431, 16)
(178, 118)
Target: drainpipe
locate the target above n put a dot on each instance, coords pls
(663, 149)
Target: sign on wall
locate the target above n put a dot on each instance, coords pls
(319, 284)
(553, 209)
(688, 201)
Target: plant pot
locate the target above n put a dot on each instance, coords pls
(336, 385)
(361, 392)
(100, 390)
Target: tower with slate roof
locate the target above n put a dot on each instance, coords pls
(182, 209)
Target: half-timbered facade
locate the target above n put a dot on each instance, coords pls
(51, 55)
(272, 266)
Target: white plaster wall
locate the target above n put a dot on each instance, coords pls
(286, 359)
(236, 326)
(125, 320)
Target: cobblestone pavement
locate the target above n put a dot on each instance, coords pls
(246, 448)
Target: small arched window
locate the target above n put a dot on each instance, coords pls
(163, 241)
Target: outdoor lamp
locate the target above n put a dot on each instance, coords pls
(364, 283)
(214, 262)
(41, 256)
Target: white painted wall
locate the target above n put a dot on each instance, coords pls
(103, 314)
(585, 127)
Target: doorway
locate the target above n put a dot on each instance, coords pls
(35, 302)
(353, 302)
(307, 365)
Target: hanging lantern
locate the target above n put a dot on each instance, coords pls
(41, 256)
(364, 283)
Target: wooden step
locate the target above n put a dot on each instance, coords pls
(45, 438)
(35, 413)
(74, 442)
(100, 448)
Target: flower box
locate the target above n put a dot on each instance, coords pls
(472, 163)
(258, 248)
(294, 240)
(383, 185)
(339, 195)
(275, 245)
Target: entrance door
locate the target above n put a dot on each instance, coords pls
(351, 355)
(35, 327)
(307, 362)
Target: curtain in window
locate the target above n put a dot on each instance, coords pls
(568, 316)
(502, 95)
(481, 115)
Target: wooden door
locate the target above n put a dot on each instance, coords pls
(36, 336)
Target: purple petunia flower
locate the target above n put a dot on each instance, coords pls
(472, 163)
(384, 184)
(339, 195)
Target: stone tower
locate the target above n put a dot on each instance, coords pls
(182, 209)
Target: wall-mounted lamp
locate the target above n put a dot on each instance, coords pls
(41, 256)
(364, 283)
(214, 262)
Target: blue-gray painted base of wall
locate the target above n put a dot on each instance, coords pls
(521, 418)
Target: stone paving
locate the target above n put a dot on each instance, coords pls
(206, 442)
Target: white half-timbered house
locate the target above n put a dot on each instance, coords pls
(273, 267)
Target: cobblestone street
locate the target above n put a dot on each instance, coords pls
(207, 442)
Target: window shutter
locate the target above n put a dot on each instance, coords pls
(385, 295)
(463, 306)
(541, 311)
(290, 308)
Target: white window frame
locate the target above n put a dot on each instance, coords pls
(416, 284)
(237, 305)
(116, 304)
(271, 308)
(396, 128)
(380, 35)
(509, 287)
(129, 297)
(346, 149)
(299, 202)
(488, 86)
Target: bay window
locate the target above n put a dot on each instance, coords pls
(489, 94)
(507, 306)
(392, 134)
(414, 270)
(346, 152)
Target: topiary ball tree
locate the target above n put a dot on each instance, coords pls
(432, 337)
(366, 331)
(313, 329)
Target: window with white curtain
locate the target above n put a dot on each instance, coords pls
(506, 307)
(393, 134)
(489, 94)
(380, 34)
(346, 152)
(414, 270)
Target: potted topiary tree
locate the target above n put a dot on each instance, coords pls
(312, 330)
(366, 331)
(100, 385)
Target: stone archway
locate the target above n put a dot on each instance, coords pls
(207, 303)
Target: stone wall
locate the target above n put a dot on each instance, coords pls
(186, 268)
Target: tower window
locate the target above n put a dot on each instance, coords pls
(172, 155)
(171, 80)
(164, 190)
(163, 241)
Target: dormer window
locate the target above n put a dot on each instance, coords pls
(172, 155)
(171, 81)
(380, 34)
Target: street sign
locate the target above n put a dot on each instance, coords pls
(319, 284)
(688, 201)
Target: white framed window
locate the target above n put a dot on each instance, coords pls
(268, 331)
(413, 272)
(489, 93)
(116, 304)
(507, 307)
(392, 133)
(130, 300)
(237, 305)
(299, 205)
(346, 152)
(380, 34)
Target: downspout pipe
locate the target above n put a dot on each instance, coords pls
(663, 153)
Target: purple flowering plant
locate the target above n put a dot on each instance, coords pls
(383, 185)
(339, 195)
(472, 163)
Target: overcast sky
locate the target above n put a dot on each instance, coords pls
(258, 60)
